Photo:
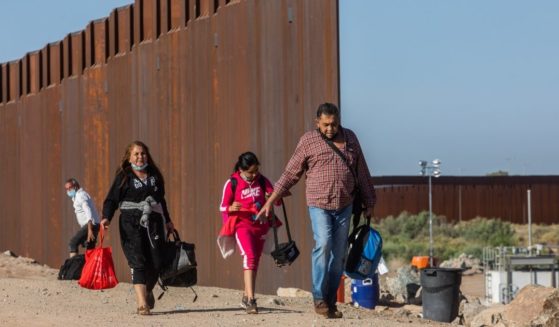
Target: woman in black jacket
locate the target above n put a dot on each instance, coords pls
(139, 191)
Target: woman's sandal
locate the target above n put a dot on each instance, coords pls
(143, 311)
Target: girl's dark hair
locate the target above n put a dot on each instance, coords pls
(328, 109)
(246, 160)
(125, 166)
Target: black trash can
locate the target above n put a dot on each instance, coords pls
(441, 293)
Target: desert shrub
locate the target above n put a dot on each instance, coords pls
(407, 235)
(395, 248)
(545, 234)
(442, 227)
(392, 250)
(388, 226)
(550, 237)
(415, 226)
(447, 247)
(416, 248)
(409, 226)
(538, 231)
(474, 249)
(489, 232)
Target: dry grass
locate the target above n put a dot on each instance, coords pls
(541, 234)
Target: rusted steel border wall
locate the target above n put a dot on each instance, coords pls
(465, 198)
(199, 81)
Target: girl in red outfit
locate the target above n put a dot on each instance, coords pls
(243, 196)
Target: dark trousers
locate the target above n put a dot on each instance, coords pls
(80, 238)
(142, 252)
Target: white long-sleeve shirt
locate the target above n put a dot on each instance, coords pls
(85, 208)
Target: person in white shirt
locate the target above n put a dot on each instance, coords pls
(86, 215)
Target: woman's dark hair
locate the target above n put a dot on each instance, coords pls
(328, 109)
(246, 160)
(125, 166)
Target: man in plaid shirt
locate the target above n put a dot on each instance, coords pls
(330, 186)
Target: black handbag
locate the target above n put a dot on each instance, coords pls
(284, 253)
(180, 263)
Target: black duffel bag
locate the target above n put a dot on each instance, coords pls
(72, 268)
(180, 263)
(284, 253)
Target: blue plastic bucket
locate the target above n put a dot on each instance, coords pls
(365, 293)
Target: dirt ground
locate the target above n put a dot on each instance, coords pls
(30, 295)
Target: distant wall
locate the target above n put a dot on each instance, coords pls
(200, 82)
(465, 198)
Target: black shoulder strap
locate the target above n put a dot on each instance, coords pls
(275, 228)
(353, 173)
(233, 185)
(339, 153)
(262, 183)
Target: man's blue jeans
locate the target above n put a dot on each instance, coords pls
(330, 232)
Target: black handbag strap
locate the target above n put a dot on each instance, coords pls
(286, 226)
(338, 152)
(353, 173)
(286, 221)
(175, 235)
(276, 243)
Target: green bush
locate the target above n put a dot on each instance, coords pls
(489, 232)
(406, 225)
(393, 248)
(407, 235)
(474, 249)
(415, 226)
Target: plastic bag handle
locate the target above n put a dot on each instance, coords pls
(101, 236)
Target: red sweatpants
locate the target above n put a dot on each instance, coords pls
(250, 237)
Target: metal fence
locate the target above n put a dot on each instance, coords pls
(200, 82)
(464, 198)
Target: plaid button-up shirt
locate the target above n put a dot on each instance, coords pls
(330, 183)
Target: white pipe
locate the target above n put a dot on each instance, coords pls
(430, 224)
(529, 194)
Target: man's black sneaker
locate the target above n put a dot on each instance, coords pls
(334, 313)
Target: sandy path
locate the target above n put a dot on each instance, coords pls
(39, 299)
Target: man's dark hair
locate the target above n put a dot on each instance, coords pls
(73, 182)
(328, 109)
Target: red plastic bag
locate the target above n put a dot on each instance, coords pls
(98, 272)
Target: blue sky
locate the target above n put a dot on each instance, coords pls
(28, 25)
(474, 83)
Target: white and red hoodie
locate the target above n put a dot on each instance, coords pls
(249, 194)
(252, 198)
